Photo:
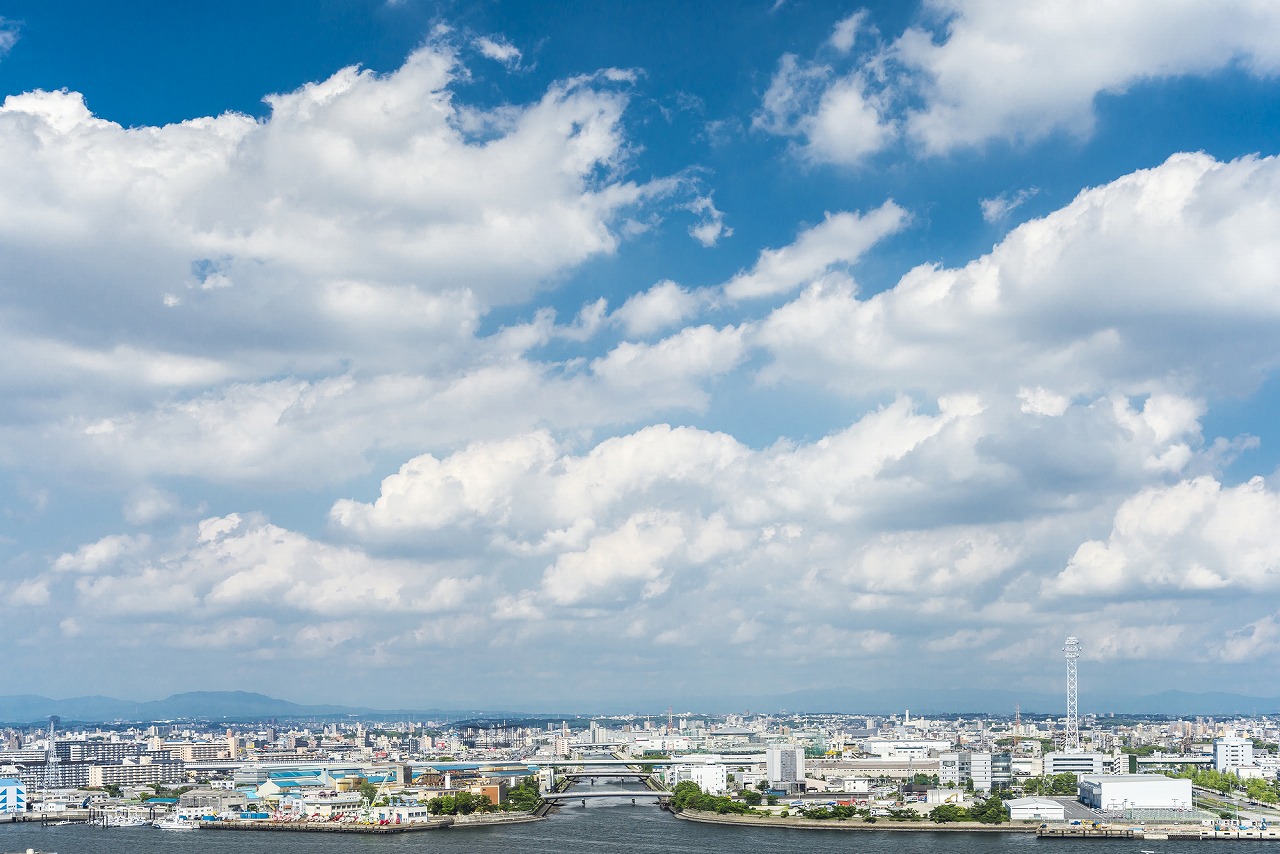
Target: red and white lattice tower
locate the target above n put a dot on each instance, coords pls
(1071, 739)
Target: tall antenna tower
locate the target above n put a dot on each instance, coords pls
(1071, 739)
(51, 778)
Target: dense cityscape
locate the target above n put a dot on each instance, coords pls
(900, 767)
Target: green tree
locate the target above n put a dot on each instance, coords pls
(948, 812)
(1065, 783)
(368, 791)
(752, 798)
(688, 795)
(1260, 790)
(990, 811)
(524, 795)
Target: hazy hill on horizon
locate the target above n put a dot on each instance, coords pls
(245, 705)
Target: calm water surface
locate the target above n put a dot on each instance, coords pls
(615, 827)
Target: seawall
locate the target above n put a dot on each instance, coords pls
(853, 824)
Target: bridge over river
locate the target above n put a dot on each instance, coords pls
(578, 795)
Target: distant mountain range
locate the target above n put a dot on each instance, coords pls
(242, 705)
(193, 704)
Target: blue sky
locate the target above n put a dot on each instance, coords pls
(755, 348)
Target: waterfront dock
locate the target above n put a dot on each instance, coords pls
(1078, 832)
(327, 826)
(442, 823)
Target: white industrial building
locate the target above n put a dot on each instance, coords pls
(904, 748)
(1232, 753)
(1078, 763)
(1135, 791)
(1036, 809)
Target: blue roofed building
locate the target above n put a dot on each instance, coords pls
(13, 796)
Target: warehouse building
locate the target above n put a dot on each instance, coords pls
(1117, 792)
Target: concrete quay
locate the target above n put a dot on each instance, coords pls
(761, 820)
(327, 826)
(455, 822)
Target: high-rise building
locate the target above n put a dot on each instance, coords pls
(1232, 753)
(984, 771)
(784, 765)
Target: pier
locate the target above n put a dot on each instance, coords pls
(1086, 833)
(327, 826)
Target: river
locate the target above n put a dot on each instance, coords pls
(601, 827)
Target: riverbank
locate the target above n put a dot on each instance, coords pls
(460, 822)
(798, 823)
(491, 819)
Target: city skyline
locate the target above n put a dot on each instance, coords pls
(409, 354)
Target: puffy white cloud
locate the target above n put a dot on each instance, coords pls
(846, 31)
(226, 247)
(1195, 536)
(1256, 641)
(835, 243)
(663, 305)
(977, 70)
(682, 537)
(673, 364)
(241, 580)
(95, 557)
(1020, 72)
(1160, 280)
(840, 118)
(499, 50)
(1041, 401)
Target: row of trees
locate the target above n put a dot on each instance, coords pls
(1220, 781)
(463, 803)
(689, 795)
(990, 811)
(1051, 784)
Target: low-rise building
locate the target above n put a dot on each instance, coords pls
(328, 803)
(13, 796)
(1036, 809)
(1117, 792)
(1062, 762)
(212, 801)
(494, 788)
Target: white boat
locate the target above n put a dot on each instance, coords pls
(127, 821)
(175, 823)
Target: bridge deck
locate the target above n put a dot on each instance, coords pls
(575, 796)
